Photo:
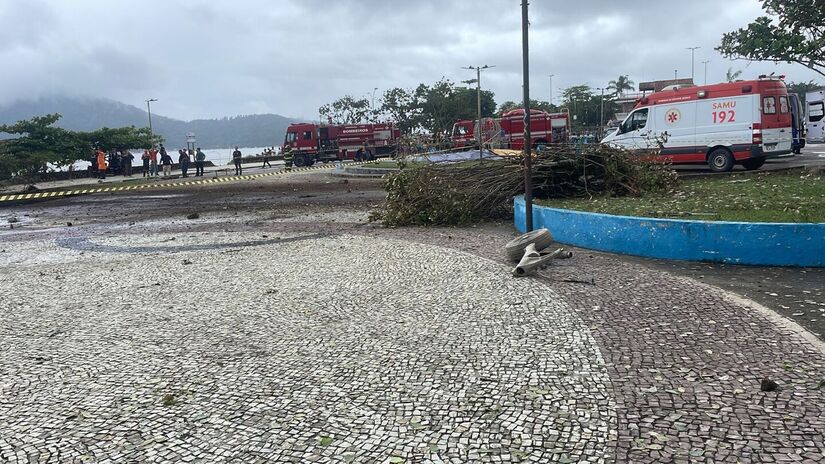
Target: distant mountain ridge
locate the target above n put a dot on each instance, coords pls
(79, 114)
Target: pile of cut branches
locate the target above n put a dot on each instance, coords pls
(471, 191)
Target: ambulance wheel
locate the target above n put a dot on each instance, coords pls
(753, 163)
(721, 160)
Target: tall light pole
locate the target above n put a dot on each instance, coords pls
(372, 105)
(675, 74)
(706, 71)
(528, 162)
(149, 110)
(692, 60)
(601, 113)
(478, 102)
(551, 88)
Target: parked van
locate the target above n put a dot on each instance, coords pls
(815, 101)
(742, 122)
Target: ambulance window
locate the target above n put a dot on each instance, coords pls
(783, 105)
(769, 105)
(640, 119)
(635, 121)
(307, 135)
(816, 111)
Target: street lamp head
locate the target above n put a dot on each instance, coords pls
(151, 100)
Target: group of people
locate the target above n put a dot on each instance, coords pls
(185, 157)
(152, 158)
(115, 161)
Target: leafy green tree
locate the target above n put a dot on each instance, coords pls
(586, 107)
(120, 138)
(39, 143)
(534, 104)
(442, 104)
(619, 85)
(793, 33)
(431, 107)
(348, 110)
(402, 107)
(732, 76)
(802, 88)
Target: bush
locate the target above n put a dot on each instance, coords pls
(467, 192)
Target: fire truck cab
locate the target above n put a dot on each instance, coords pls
(742, 122)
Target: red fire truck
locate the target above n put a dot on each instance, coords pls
(508, 131)
(312, 142)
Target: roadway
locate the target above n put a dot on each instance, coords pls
(812, 156)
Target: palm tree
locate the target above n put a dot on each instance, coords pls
(733, 75)
(620, 85)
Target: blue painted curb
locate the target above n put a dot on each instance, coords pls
(754, 243)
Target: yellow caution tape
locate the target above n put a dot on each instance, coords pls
(62, 193)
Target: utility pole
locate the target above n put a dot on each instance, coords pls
(601, 113)
(675, 75)
(551, 88)
(692, 60)
(706, 71)
(528, 162)
(149, 110)
(478, 102)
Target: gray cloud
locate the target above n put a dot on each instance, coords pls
(215, 58)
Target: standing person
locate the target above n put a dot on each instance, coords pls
(183, 159)
(166, 162)
(101, 164)
(236, 158)
(145, 159)
(126, 159)
(266, 154)
(200, 157)
(287, 151)
(153, 162)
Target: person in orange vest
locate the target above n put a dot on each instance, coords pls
(101, 163)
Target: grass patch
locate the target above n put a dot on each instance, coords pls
(382, 165)
(763, 197)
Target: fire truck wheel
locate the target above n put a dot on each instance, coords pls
(753, 163)
(300, 161)
(720, 160)
(514, 249)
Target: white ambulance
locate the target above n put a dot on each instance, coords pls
(815, 116)
(721, 125)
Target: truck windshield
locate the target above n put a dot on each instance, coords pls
(291, 137)
(816, 110)
(459, 130)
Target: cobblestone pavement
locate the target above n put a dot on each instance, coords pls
(278, 349)
(658, 368)
(686, 361)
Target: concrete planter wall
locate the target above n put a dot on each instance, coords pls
(756, 243)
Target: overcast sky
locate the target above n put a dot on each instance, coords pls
(215, 58)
